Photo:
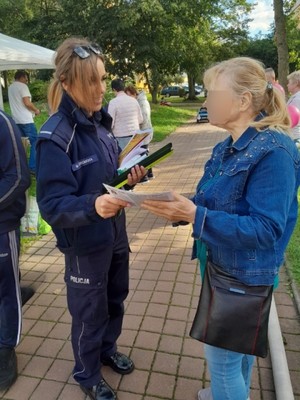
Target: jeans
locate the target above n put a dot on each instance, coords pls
(29, 131)
(230, 373)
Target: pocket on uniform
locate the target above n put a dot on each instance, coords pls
(86, 290)
(80, 274)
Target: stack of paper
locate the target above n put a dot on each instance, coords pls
(136, 199)
(133, 152)
(147, 162)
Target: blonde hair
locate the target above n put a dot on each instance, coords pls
(245, 74)
(295, 77)
(74, 72)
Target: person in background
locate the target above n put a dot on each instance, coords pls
(271, 77)
(245, 207)
(14, 180)
(125, 112)
(22, 110)
(76, 154)
(144, 104)
(294, 90)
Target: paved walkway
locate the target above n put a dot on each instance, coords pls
(164, 289)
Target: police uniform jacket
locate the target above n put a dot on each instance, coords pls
(76, 154)
(14, 175)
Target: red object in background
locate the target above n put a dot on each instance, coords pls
(294, 115)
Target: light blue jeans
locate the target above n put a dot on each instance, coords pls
(29, 131)
(230, 373)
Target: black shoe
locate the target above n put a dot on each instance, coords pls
(100, 392)
(26, 294)
(144, 180)
(8, 368)
(119, 362)
(150, 174)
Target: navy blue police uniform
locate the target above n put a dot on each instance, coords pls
(14, 180)
(76, 154)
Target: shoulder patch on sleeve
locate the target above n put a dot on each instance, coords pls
(49, 126)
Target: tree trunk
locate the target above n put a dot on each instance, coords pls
(154, 94)
(5, 79)
(191, 81)
(281, 42)
(153, 89)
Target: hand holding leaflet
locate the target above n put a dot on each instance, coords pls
(137, 198)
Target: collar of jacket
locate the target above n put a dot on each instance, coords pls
(70, 109)
(248, 136)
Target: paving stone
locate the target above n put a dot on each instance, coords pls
(136, 382)
(47, 390)
(161, 385)
(23, 388)
(166, 363)
(143, 359)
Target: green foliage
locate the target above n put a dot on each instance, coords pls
(38, 90)
(263, 49)
(293, 251)
(166, 119)
(293, 39)
(158, 38)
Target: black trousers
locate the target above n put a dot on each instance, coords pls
(10, 297)
(97, 285)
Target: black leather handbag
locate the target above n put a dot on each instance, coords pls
(232, 315)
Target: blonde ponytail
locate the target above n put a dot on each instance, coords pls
(55, 93)
(277, 117)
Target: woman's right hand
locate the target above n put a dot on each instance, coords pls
(107, 206)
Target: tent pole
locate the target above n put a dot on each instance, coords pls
(1, 96)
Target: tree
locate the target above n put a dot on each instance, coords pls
(293, 39)
(281, 41)
(263, 49)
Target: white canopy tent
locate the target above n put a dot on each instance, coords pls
(17, 54)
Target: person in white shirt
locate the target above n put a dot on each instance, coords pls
(144, 104)
(294, 89)
(125, 112)
(23, 110)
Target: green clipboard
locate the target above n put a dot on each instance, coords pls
(147, 162)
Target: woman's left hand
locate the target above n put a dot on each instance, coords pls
(179, 209)
(136, 174)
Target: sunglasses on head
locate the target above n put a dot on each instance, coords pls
(85, 51)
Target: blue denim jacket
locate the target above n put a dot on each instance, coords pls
(247, 213)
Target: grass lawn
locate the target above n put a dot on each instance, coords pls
(293, 251)
(166, 119)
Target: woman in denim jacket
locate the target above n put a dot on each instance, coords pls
(245, 207)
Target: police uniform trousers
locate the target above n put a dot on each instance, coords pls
(10, 296)
(97, 285)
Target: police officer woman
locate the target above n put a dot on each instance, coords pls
(76, 154)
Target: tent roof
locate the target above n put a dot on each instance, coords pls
(17, 54)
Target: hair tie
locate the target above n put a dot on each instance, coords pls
(269, 87)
